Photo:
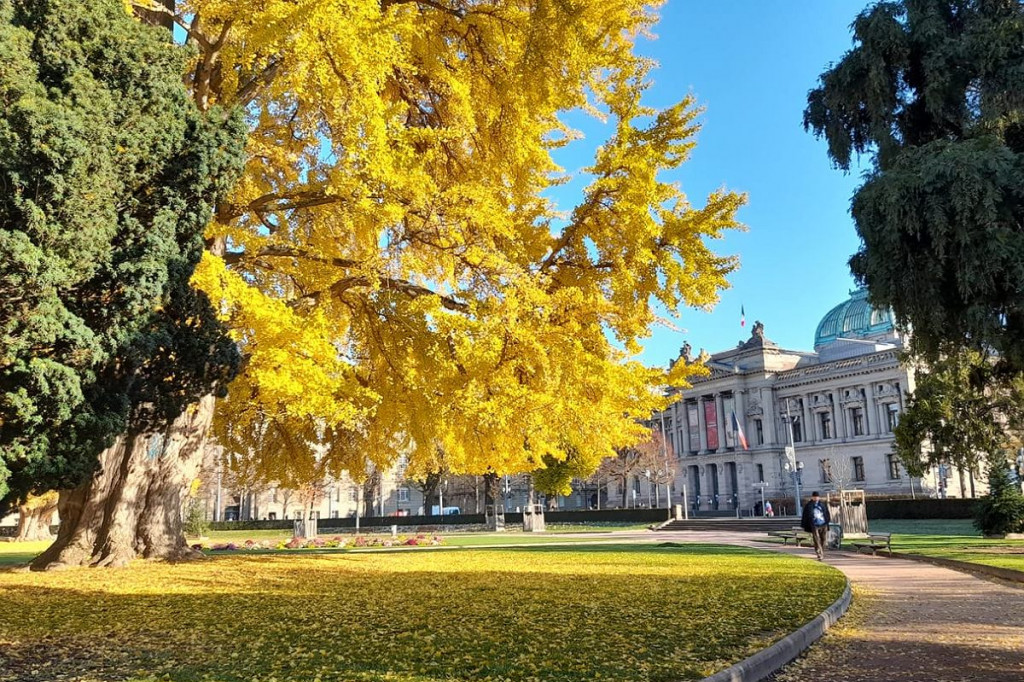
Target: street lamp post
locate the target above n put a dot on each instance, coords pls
(799, 482)
(761, 485)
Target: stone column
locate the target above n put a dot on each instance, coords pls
(741, 416)
(839, 418)
(702, 432)
(807, 415)
(870, 417)
(720, 411)
(769, 416)
(683, 429)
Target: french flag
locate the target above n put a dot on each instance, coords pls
(739, 432)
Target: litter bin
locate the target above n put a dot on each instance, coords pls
(835, 536)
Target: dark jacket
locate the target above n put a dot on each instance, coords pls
(807, 520)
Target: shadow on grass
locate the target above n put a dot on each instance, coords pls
(687, 548)
(17, 554)
(16, 560)
(565, 614)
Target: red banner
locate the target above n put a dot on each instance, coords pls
(711, 421)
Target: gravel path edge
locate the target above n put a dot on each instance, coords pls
(1007, 574)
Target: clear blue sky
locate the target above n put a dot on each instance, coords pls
(750, 64)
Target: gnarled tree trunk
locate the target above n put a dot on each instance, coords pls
(35, 518)
(132, 506)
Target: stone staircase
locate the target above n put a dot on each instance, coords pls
(733, 525)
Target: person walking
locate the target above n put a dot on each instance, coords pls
(815, 521)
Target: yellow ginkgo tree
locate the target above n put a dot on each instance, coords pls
(392, 266)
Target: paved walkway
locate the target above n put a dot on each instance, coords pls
(910, 621)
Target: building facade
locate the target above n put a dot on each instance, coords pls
(766, 419)
(388, 493)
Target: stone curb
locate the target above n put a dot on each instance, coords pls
(965, 566)
(767, 661)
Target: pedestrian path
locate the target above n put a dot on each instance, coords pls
(915, 622)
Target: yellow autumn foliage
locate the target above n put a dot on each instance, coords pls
(391, 264)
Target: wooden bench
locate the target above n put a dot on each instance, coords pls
(875, 542)
(796, 533)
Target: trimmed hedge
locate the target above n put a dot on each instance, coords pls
(582, 516)
(950, 508)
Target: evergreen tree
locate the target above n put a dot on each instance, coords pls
(962, 412)
(933, 93)
(1002, 510)
(108, 175)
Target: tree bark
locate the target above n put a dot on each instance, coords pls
(132, 506)
(491, 489)
(35, 518)
(429, 487)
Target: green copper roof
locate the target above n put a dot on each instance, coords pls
(853, 318)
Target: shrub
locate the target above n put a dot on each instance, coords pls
(1002, 510)
(195, 519)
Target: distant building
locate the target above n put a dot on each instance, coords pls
(837, 405)
(386, 494)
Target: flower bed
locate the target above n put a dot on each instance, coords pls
(336, 542)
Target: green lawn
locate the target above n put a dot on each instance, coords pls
(513, 535)
(953, 539)
(565, 614)
(516, 531)
(595, 527)
(14, 553)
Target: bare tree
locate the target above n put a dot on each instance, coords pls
(648, 456)
(839, 468)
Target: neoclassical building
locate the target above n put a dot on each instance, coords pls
(836, 405)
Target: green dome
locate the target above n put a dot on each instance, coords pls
(853, 318)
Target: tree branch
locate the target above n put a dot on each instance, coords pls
(404, 286)
(233, 258)
(248, 92)
(457, 12)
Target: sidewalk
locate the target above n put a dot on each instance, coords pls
(913, 622)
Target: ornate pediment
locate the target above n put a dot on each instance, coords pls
(792, 406)
(754, 408)
(887, 392)
(852, 397)
(821, 402)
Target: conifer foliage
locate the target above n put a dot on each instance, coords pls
(933, 93)
(1002, 509)
(108, 175)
